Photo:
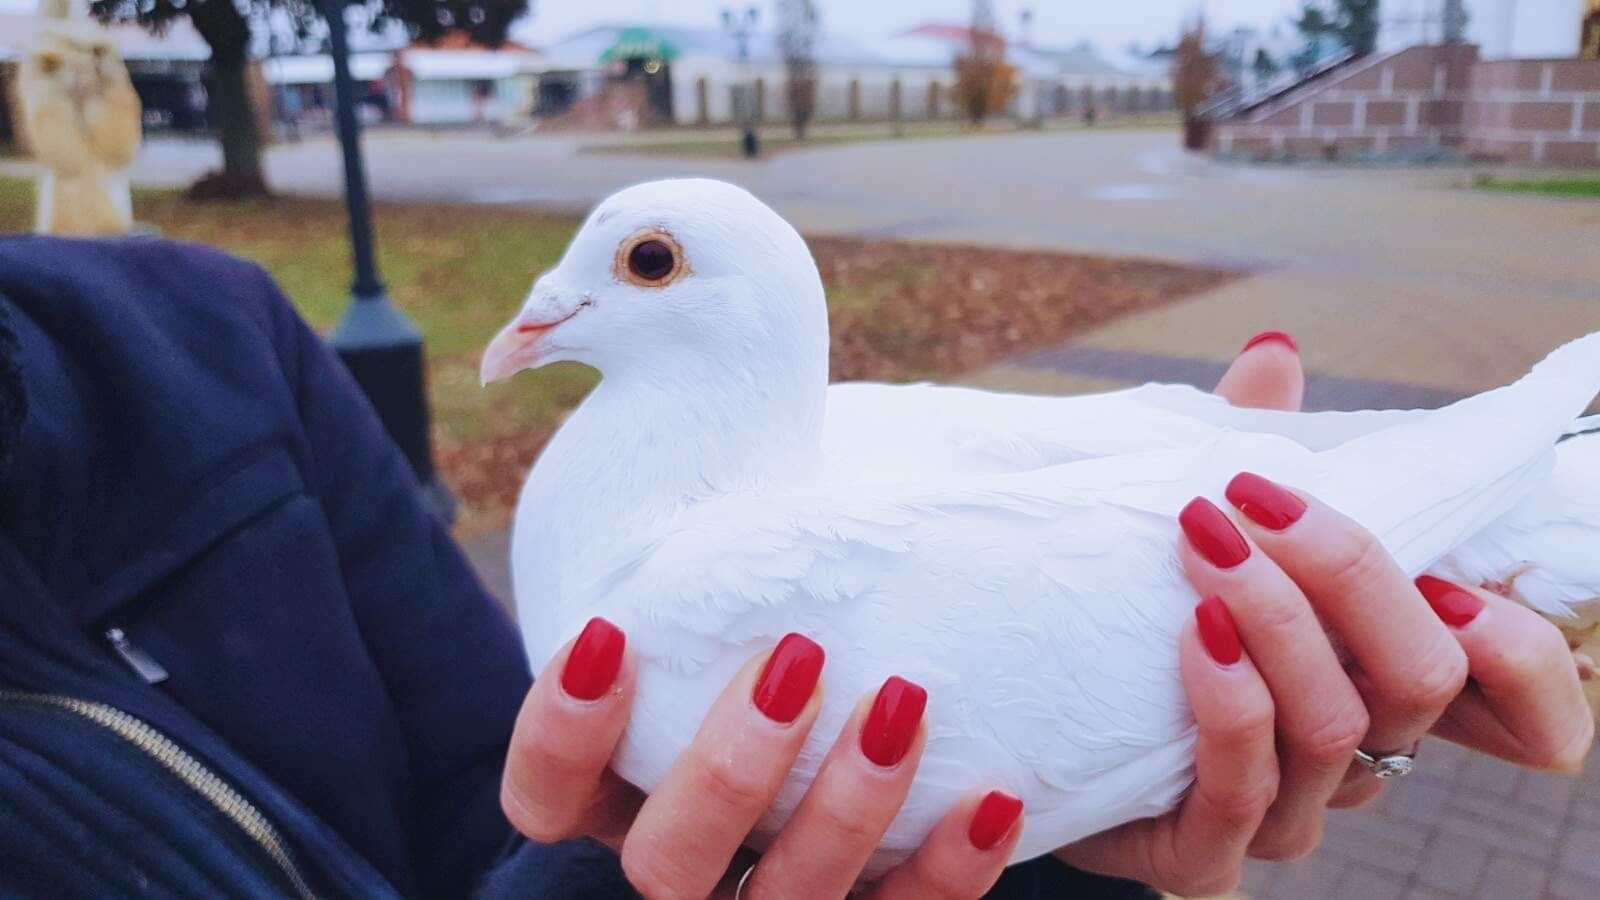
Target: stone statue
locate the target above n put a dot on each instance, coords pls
(81, 118)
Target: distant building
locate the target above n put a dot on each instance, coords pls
(447, 82)
(1529, 94)
(166, 69)
(690, 76)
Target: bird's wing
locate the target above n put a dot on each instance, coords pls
(1041, 611)
(925, 429)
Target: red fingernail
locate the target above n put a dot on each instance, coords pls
(997, 813)
(891, 726)
(1450, 602)
(1218, 634)
(1213, 534)
(789, 678)
(595, 660)
(1282, 337)
(1267, 504)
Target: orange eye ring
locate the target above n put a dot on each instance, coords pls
(651, 258)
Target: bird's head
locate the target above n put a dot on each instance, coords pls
(686, 272)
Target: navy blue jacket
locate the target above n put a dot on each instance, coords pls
(198, 473)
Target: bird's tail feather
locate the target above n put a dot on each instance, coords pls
(1428, 484)
(1542, 551)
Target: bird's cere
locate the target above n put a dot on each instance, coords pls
(1012, 559)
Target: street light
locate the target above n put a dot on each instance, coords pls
(741, 28)
(378, 344)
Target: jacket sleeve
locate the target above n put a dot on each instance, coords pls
(449, 655)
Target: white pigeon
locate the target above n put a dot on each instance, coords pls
(1016, 556)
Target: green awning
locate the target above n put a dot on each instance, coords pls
(640, 43)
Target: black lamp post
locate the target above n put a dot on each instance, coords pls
(741, 27)
(379, 345)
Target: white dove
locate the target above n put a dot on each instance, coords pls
(1016, 556)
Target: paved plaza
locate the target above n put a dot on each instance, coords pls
(1404, 288)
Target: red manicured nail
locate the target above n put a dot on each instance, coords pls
(1213, 534)
(788, 679)
(1281, 337)
(1450, 602)
(1218, 634)
(595, 660)
(891, 726)
(1264, 502)
(996, 814)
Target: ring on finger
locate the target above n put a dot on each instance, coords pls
(1390, 764)
(738, 891)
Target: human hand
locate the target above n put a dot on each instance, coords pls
(681, 840)
(1275, 745)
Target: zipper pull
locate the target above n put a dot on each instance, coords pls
(143, 664)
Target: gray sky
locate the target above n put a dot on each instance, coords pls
(1109, 24)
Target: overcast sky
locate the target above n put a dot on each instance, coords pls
(1109, 23)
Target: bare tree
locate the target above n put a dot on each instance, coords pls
(984, 81)
(1195, 77)
(797, 38)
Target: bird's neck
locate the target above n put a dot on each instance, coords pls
(650, 443)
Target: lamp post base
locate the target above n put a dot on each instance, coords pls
(383, 351)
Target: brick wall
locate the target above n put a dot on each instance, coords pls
(1536, 111)
(1407, 100)
(1529, 111)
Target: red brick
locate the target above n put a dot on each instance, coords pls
(1413, 70)
(1572, 153)
(1436, 113)
(1369, 80)
(1575, 75)
(1591, 115)
(1543, 116)
(1333, 112)
(1304, 147)
(1288, 117)
(1350, 146)
(1386, 112)
(1252, 145)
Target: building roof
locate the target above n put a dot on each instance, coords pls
(318, 68)
(594, 46)
(468, 65)
(179, 41)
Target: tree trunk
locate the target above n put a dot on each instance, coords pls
(228, 102)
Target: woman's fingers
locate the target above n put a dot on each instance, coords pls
(964, 854)
(1526, 703)
(1407, 666)
(1319, 715)
(1266, 375)
(1198, 849)
(856, 794)
(690, 827)
(556, 783)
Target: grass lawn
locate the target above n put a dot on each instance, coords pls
(722, 143)
(1559, 187)
(898, 311)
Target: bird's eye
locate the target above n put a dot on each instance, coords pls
(652, 260)
(49, 64)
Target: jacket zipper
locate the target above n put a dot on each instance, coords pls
(185, 768)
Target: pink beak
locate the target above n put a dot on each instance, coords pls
(515, 348)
